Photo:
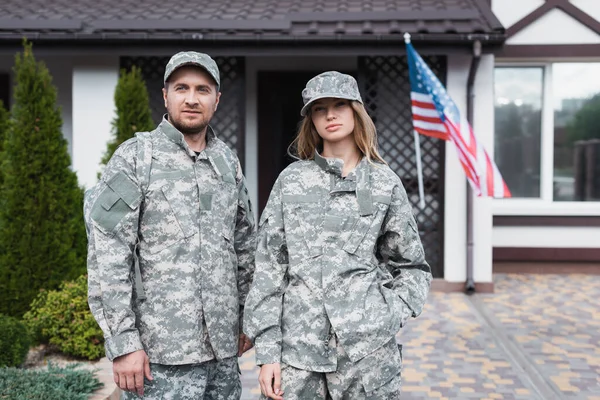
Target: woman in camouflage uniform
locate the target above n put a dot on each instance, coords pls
(339, 263)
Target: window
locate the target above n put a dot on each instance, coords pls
(518, 128)
(547, 134)
(576, 94)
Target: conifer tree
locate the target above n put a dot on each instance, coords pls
(133, 110)
(4, 121)
(42, 235)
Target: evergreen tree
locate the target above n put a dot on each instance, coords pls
(4, 121)
(3, 124)
(133, 110)
(42, 235)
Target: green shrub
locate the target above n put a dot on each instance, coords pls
(55, 383)
(42, 234)
(133, 110)
(14, 342)
(63, 318)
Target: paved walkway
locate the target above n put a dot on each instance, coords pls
(537, 337)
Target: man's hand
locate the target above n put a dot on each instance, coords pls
(129, 371)
(244, 344)
(270, 381)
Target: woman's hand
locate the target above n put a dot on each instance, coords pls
(270, 381)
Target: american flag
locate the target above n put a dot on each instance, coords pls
(436, 115)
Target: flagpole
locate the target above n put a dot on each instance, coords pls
(418, 153)
(419, 170)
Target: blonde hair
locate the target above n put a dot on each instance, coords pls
(365, 136)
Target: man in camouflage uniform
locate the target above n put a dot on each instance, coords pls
(171, 248)
(339, 270)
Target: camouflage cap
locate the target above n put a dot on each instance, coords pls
(193, 58)
(330, 84)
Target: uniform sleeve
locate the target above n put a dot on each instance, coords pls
(399, 247)
(262, 322)
(245, 241)
(111, 212)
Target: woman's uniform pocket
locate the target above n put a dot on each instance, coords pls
(381, 366)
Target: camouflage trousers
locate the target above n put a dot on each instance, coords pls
(375, 377)
(211, 380)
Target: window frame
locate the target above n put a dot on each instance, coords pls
(545, 204)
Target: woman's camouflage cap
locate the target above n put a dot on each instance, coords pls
(330, 84)
(201, 60)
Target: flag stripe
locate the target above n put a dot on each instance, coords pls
(432, 120)
(425, 112)
(435, 114)
(424, 104)
(435, 134)
(424, 97)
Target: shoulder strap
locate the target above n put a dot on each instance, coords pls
(142, 172)
(144, 160)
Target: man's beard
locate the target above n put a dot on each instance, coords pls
(189, 130)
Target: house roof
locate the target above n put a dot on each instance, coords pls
(248, 20)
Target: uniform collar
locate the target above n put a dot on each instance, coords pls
(176, 136)
(361, 175)
(332, 165)
(336, 165)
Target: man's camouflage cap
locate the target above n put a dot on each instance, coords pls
(329, 84)
(193, 58)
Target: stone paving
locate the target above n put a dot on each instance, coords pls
(537, 337)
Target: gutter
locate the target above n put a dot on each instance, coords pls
(470, 283)
(249, 37)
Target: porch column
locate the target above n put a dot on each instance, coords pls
(455, 216)
(94, 82)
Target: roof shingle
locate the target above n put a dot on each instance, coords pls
(239, 19)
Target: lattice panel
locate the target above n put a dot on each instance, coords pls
(228, 121)
(385, 87)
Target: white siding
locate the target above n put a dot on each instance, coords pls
(547, 237)
(592, 7)
(511, 11)
(483, 126)
(455, 246)
(555, 27)
(94, 84)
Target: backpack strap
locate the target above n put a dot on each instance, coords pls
(144, 160)
(142, 172)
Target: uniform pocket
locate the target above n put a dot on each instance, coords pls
(180, 209)
(167, 220)
(381, 366)
(303, 222)
(119, 197)
(366, 228)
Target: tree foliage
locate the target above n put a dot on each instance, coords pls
(42, 235)
(133, 110)
(585, 124)
(4, 123)
(14, 342)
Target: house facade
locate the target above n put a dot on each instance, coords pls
(547, 132)
(266, 52)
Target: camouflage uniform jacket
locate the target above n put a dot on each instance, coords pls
(334, 256)
(196, 250)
